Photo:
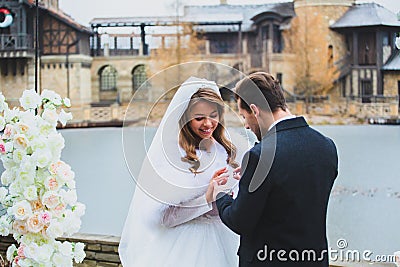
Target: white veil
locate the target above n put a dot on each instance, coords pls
(164, 178)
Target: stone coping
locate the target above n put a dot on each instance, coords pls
(93, 238)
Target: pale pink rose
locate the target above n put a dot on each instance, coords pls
(45, 217)
(33, 224)
(2, 147)
(59, 210)
(20, 227)
(9, 132)
(20, 251)
(16, 260)
(55, 166)
(51, 200)
(52, 184)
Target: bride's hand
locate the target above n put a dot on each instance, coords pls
(219, 173)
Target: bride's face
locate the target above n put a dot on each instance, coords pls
(204, 119)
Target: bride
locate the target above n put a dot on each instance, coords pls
(170, 222)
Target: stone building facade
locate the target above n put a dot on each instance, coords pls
(305, 43)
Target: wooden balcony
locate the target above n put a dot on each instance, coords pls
(16, 46)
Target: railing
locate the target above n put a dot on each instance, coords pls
(15, 42)
(374, 99)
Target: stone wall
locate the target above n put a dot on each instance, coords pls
(391, 82)
(100, 250)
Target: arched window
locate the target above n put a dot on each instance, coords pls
(108, 78)
(139, 76)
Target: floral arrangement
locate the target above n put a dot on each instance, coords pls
(38, 200)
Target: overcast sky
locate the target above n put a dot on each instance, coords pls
(85, 10)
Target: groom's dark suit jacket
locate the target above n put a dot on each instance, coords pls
(288, 210)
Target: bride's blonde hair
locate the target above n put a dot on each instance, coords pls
(189, 141)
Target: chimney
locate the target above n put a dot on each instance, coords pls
(223, 2)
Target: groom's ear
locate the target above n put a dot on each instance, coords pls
(255, 110)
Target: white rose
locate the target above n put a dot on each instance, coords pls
(20, 141)
(26, 177)
(43, 157)
(67, 102)
(3, 104)
(16, 188)
(66, 249)
(51, 116)
(21, 210)
(22, 127)
(30, 99)
(55, 143)
(79, 209)
(5, 225)
(70, 197)
(8, 201)
(2, 123)
(63, 117)
(55, 229)
(40, 254)
(18, 155)
(30, 193)
(79, 252)
(71, 184)
(72, 223)
(28, 117)
(11, 114)
(52, 97)
(39, 142)
(3, 194)
(9, 146)
(11, 251)
(60, 260)
(45, 128)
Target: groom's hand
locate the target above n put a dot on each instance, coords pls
(237, 173)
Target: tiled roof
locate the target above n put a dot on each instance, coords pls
(393, 63)
(247, 12)
(206, 15)
(364, 15)
(58, 13)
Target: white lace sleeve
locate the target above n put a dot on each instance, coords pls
(176, 215)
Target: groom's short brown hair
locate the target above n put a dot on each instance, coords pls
(248, 91)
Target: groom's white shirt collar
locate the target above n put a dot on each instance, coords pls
(288, 117)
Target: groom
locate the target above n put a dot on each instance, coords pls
(280, 210)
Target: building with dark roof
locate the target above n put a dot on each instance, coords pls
(332, 50)
(63, 44)
(370, 31)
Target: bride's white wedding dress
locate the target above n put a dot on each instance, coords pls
(189, 236)
(169, 222)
